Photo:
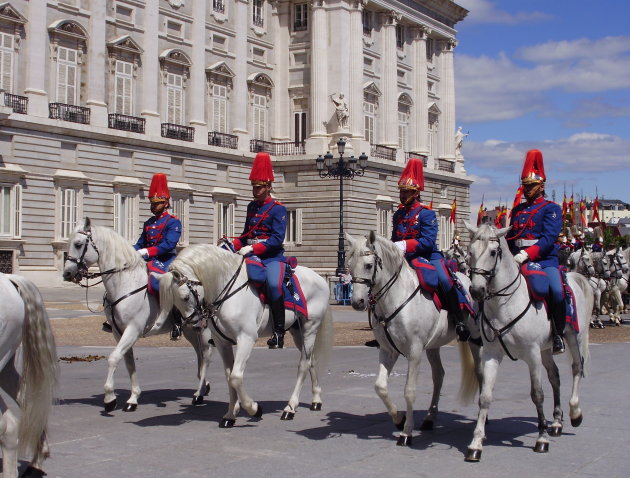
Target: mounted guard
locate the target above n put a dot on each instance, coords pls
(415, 229)
(536, 225)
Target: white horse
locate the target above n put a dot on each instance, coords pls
(618, 284)
(581, 261)
(407, 323)
(513, 325)
(23, 320)
(128, 307)
(456, 253)
(211, 283)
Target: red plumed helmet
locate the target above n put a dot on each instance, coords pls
(158, 191)
(262, 172)
(534, 168)
(412, 176)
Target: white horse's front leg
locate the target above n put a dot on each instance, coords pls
(413, 368)
(437, 372)
(387, 360)
(538, 397)
(244, 346)
(555, 429)
(125, 343)
(573, 341)
(490, 370)
(227, 357)
(200, 339)
(8, 441)
(130, 363)
(305, 365)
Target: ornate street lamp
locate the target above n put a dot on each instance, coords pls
(342, 168)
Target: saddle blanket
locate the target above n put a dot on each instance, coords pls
(294, 298)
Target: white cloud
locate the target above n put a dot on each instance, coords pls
(484, 11)
(554, 51)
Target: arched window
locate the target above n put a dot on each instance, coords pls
(260, 87)
(175, 66)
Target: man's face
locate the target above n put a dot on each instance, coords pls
(532, 191)
(157, 208)
(407, 195)
(261, 192)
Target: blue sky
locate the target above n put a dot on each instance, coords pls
(552, 75)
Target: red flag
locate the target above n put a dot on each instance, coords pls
(571, 211)
(565, 207)
(480, 215)
(453, 217)
(431, 204)
(499, 220)
(596, 211)
(583, 213)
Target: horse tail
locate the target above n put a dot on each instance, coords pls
(584, 319)
(40, 370)
(324, 340)
(469, 385)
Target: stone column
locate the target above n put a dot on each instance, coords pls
(151, 77)
(319, 70)
(197, 96)
(239, 96)
(355, 65)
(447, 95)
(420, 91)
(280, 26)
(38, 54)
(97, 61)
(389, 106)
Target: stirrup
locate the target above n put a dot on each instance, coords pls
(176, 332)
(558, 345)
(276, 341)
(462, 332)
(106, 327)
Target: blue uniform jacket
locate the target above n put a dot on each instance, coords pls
(265, 228)
(418, 227)
(160, 236)
(535, 228)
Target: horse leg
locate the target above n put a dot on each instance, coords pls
(305, 364)
(437, 372)
(490, 370)
(573, 343)
(125, 343)
(413, 367)
(244, 346)
(555, 429)
(199, 339)
(227, 357)
(8, 441)
(535, 375)
(387, 360)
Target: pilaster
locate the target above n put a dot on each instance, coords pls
(420, 91)
(97, 56)
(198, 96)
(390, 84)
(447, 94)
(319, 70)
(38, 55)
(281, 24)
(355, 91)
(240, 94)
(150, 69)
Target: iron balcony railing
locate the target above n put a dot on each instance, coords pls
(178, 131)
(18, 103)
(223, 140)
(383, 152)
(277, 149)
(126, 123)
(73, 113)
(411, 154)
(444, 165)
(258, 21)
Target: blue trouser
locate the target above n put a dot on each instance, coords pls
(544, 282)
(444, 278)
(271, 274)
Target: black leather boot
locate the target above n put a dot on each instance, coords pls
(276, 310)
(558, 317)
(106, 327)
(452, 305)
(176, 331)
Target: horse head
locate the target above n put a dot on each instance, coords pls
(82, 253)
(601, 264)
(619, 263)
(487, 250)
(581, 262)
(371, 259)
(179, 288)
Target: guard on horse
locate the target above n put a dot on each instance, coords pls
(262, 243)
(158, 240)
(536, 224)
(415, 229)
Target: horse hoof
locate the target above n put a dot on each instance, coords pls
(110, 406)
(404, 440)
(287, 416)
(316, 406)
(576, 422)
(207, 390)
(473, 455)
(555, 431)
(197, 400)
(401, 425)
(130, 407)
(541, 447)
(31, 472)
(259, 412)
(227, 423)
(427, 425)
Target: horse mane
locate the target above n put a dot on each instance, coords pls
(116, 248)
(391, 254)
(484, 233)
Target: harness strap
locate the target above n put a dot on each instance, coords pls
(501, 332)
(117, 301)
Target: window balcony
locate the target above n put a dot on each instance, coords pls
(223, 140)
(258, 21)
(383, 152)
(444, 165)
(177, 131)
(410, 154)
(18, 103)
(218, 6)
(126, 123)
(73, 113)
(277, 149)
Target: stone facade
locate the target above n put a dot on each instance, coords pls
(101, 94)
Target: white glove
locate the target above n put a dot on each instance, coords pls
(402, 245)
(243, 251)
(521, 257)
(143, 253)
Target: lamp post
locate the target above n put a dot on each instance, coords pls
(342, 168)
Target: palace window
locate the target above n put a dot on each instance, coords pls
(300, 16)
(369, 115)
(174, 98)
(11, 210)
(257, 13)
(67, 68)
(223, 220)
(123, 87)
(69, 209)
(400, 36)
(7, 59)
(126, 214)
(294, 226)
(384, 220)
(219, 108)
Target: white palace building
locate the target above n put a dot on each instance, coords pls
(97, 95)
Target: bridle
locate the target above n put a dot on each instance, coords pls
(489, 275)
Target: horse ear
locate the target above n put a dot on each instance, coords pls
(87, 225)
(372, 237)
(349, 238)
(470, 227)
(504, 231)
(177, 276)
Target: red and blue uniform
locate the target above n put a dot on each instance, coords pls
(159, 237)
(535, 228)
(265, 229)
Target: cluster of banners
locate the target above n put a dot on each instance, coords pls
(571, 216)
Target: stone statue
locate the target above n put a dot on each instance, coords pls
(341, 106)
(459, 141)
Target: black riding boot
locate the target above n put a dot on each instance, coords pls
(276, 309)
(452, 305)
(106, 327)
(558, 317)
(176, 331)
